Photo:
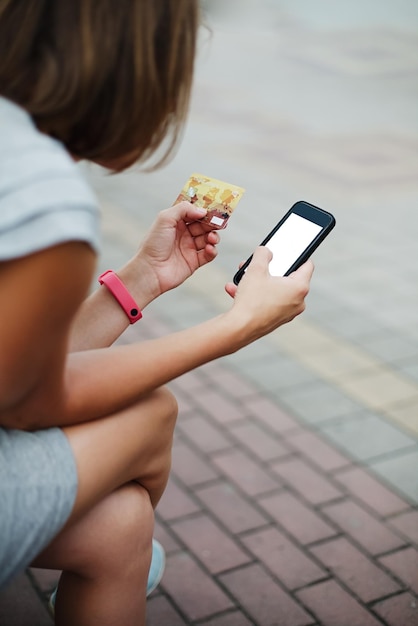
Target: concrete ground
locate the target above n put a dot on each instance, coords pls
(294, 490)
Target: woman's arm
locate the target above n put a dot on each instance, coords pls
(41, 387)
(39, 296)
(107, 380)
(175, 247)
(101, 382)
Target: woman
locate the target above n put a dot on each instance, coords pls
(86, 427)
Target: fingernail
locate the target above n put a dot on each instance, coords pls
(201, 211)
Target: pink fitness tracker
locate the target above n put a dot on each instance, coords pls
(121, 294)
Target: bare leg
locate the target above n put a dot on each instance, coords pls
(105, 559)
(132, 445)
(123, 462)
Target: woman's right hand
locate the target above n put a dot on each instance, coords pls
(263, 302)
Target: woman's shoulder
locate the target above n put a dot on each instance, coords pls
(41, 187)
(24, 150)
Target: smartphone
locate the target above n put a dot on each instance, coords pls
(294, 238)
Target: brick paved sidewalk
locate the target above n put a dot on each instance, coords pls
(264, 522)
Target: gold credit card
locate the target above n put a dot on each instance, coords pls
(218, 198)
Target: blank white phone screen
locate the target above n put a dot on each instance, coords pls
(288, 243)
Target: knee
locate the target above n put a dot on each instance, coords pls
(157, 428)
(166, 410)
(124, 532)
(168, 402)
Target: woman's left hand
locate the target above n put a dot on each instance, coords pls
(174, 248)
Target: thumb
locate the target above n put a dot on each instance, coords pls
(261, 259)
(304, 272)
(231, 289)
(187, 211)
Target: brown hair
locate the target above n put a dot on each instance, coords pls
(111, 79)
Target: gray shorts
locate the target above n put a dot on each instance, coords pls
(38, 486)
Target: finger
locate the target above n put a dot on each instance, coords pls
(203, 240)
(231, 289)
(261, 259)
(197, 228)
(207, 254)
(213, 237)
(304, 272)
(186, 211)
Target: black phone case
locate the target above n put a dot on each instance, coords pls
(329, 223)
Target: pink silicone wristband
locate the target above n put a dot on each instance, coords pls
(121, 294)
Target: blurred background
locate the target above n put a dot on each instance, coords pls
(313, 100)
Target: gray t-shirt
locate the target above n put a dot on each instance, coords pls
(44, 199)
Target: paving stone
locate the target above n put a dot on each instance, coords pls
(400, 471)
(21, 606)
(369, 490)
(190, 383)
(160, 611)
(278, 373)
(317, 450)
(314, 487)
(336, 361)
(210, 544)
(233, 384)
(259, 442)
(335, 607)
(182, 309)
(407, 524)
(191, 468)
(355, 570)
(405, 415)
(206, 436)
(380, 387)
(298, 519)
(263, 599)
(245, 473)
(404, 564)
(367, 436)
(268, 411)
(349, 324)
(318, 402)
(390, 346)
(366, 530)
(175, 502)
(237, 618)
(222, 409)
(283, 558)
(195, 592)
(409, 367)
(257, 351)
(401, 610)
(166, 538)
(233, 510)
